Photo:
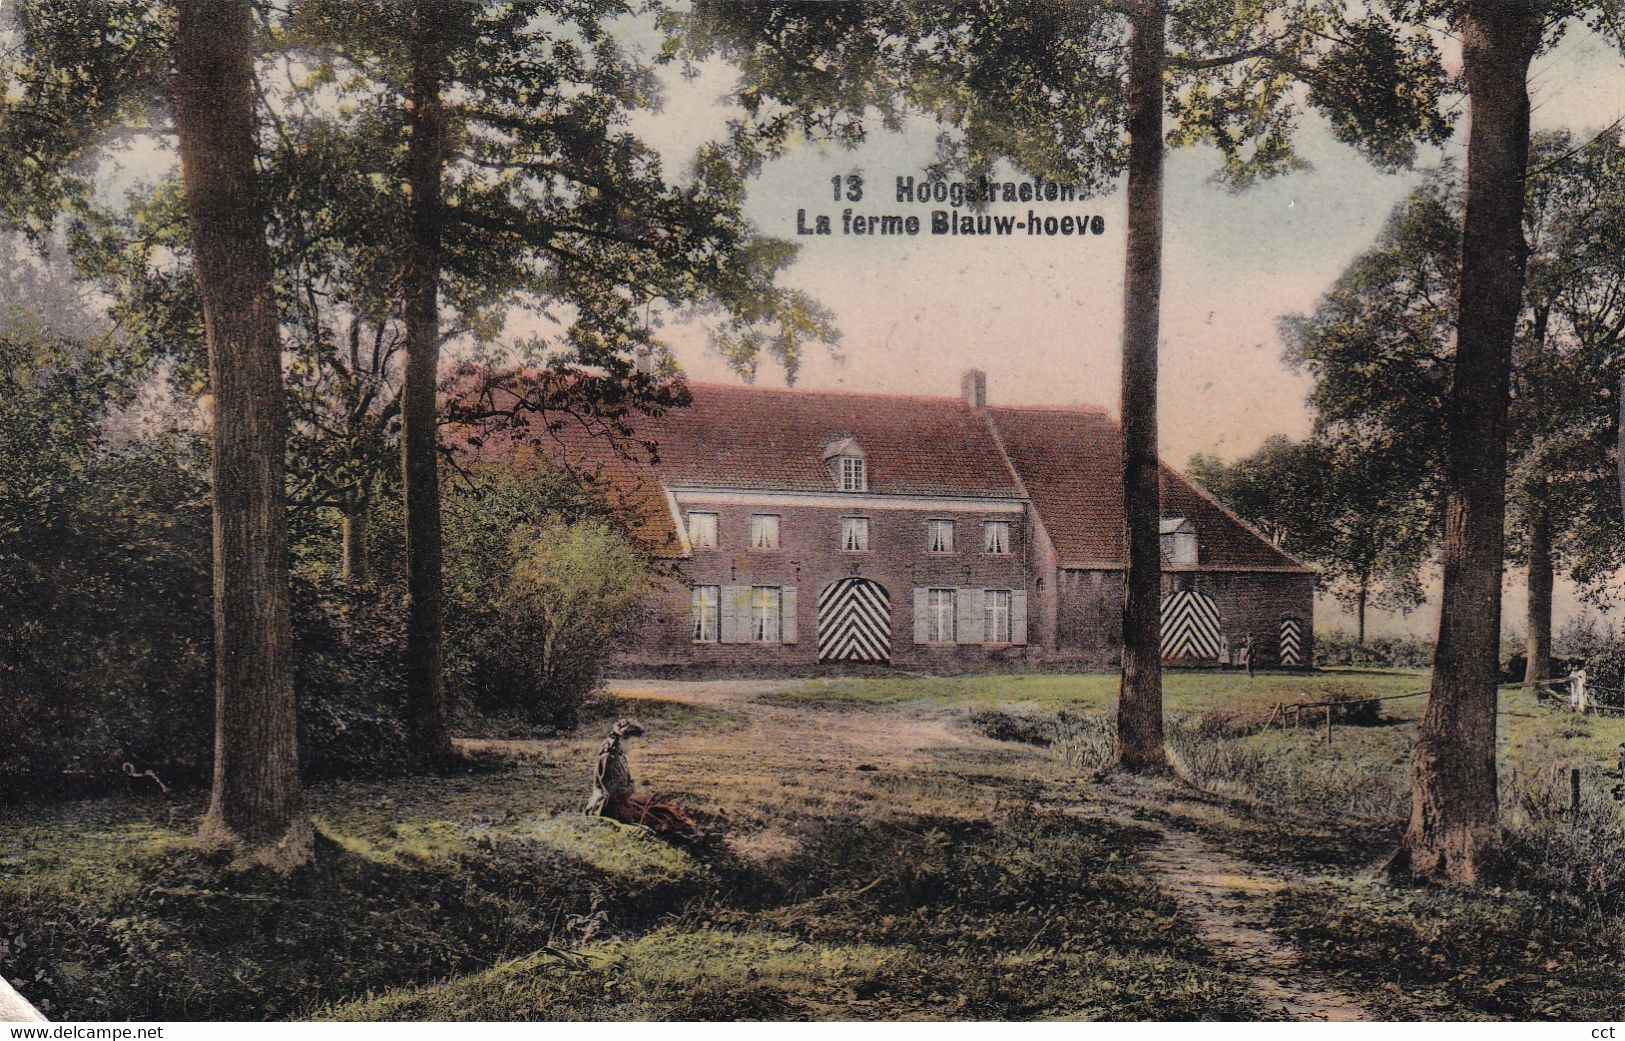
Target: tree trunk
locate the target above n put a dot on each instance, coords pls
(1360, 601)
(1454, 809)
(353, 562)
(1139, 692)
(14, 1008)
(1538, 606)
(257, 809)
(1619, 445)
(427, 717)
(1538, 643)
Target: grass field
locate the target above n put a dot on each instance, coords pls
(1183, 691)
(882, 848)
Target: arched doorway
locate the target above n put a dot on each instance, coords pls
(854, 621)
(1190, 627)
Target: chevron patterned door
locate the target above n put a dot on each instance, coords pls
(1190, 627)
(854, 621)
(1291, 642)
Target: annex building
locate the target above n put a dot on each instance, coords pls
(811, 527)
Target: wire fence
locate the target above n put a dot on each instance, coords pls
(1291, 714)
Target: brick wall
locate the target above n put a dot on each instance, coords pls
(809, 558)
(1089, 605)
(1255, 602)
(1089, 614)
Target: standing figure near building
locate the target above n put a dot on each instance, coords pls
(1249, 648)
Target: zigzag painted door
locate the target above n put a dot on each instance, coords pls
(854, 622)
(1291, 642)
(1190, 626)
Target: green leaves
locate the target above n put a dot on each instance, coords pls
(1040, 85)
(78, 73)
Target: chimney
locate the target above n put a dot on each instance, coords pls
(973, 388)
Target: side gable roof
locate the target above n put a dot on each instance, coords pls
(1070, 461)
(758, 439)
(775, 440)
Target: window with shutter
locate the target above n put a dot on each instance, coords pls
(765, 610)
(940, 616)
(1018, 616)
(996, 616)
(1178, 540)
(706, 603)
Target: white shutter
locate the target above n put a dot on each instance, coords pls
(787, 615)
(742, 614)
(1018, 616)
(921, 630)
(968, 608)
(728, 614)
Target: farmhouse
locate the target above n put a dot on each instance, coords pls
(814, 526)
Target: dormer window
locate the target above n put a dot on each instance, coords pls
(853, 477)
(1178, 540)
(848, 465)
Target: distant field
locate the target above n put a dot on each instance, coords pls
(1537, 742)
(1184, 691)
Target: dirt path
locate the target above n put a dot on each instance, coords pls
(1226, 899)
(1224, 896)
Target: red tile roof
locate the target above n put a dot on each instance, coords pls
(748, 437)
(1068, 461)
(1071, 461)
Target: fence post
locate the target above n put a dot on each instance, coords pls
(1328, 724)
(1574, 790)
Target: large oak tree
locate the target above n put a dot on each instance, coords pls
(76, 73)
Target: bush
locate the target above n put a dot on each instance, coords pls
(106, 639)
(540, 579)
(105, 636)
(1550, 849)
(570, 587)
(349, 675)
(1334, 648)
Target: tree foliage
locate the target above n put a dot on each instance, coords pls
(1041, 85)
(1380, 346)
(1352, 509)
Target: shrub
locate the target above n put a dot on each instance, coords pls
(1025, 728)
(1335, 648)
(106, 636)
(1553, 850)
(104, 585)
(570, 587)
(349, 654)
(540, 579)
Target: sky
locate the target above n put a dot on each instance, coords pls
(1042, 317)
